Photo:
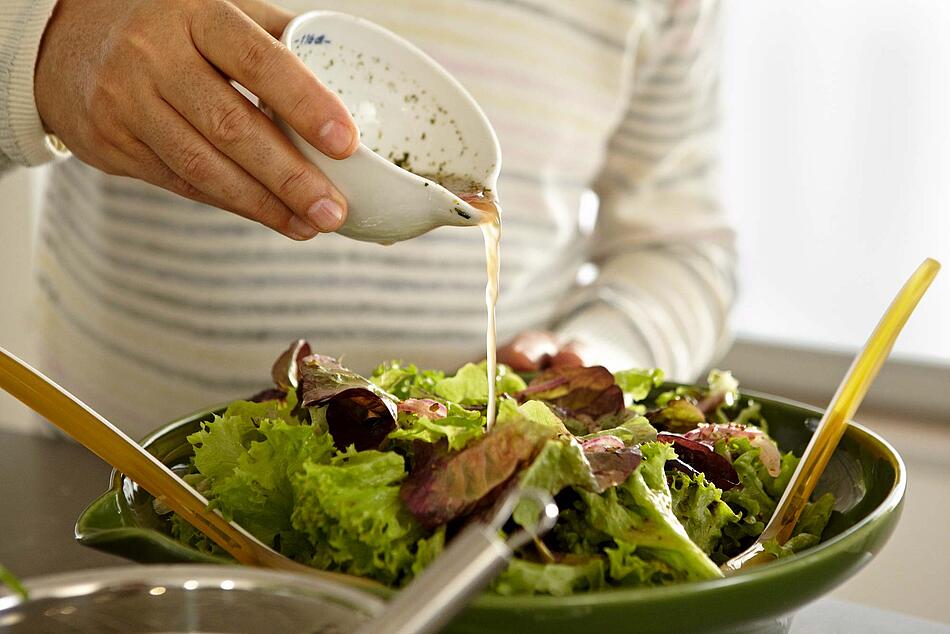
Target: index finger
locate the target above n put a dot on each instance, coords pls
(245, 52)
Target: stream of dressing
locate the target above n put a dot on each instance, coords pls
(491, 230)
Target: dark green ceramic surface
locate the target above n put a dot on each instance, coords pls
(866, 475)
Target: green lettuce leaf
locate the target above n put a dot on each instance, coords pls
(220, 443)
(811, 524)
(560, 464)
(637, 384)
(406, 381)
(557, 579)
(750, 414)
(640, 513)
(248, 469)
(540, 414)
(630, 565)
(677, 416)
(698, 505)
(627, 425)
(458, 427)
(351, 513)
(428, 549)
(259, 494)
(257, 411)
(755, 500)
(469, 386)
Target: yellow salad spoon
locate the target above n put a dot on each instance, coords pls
(850, 393)
(91, 430)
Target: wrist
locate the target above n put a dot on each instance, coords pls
(23, 137)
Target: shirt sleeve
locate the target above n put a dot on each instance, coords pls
(662, 248)
(23, 141)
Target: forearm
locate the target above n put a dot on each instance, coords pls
(23, 141)
(663, 247)
(663, 306)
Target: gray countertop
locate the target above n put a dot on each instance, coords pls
(45, 484)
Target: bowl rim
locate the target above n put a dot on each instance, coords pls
(786, 566)
(75, 583)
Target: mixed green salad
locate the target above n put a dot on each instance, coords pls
(372, 476)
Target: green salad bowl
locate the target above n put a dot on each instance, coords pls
(866, 475)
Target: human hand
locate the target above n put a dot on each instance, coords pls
(141, 88)
(539, 350)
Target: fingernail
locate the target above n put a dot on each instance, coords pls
(336, 137)
(326, 214)
(300, 229)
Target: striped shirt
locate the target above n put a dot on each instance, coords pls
(152, 305)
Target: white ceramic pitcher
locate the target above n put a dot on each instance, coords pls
(419, 127)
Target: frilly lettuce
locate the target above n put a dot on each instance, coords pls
(469, 386)
(458, 427)
(699, 506)
(351, 513)
(640, 513)
(558, 579)
(369, 476)
(637, 384)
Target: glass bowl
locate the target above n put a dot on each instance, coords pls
(185, 598)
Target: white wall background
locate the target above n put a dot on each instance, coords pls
(836, 147)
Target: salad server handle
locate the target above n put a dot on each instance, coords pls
(470, 562)
(104, 439)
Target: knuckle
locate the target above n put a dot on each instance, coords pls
(301, 111)
(297, 180)
(266, 209)
(137, 36)
(259, 57)
(231, 124)
(302, 104)
(197, 165)
(182, 187)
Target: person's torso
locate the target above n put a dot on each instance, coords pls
(144, 290)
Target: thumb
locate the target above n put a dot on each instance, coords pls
(270, 18)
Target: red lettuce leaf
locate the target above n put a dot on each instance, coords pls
(425, 407)
(610, 460)
(769, 453)
(358, 412)
(286, 370)
(602, 443)
(445, 486)
(699, 456)
(579, 392)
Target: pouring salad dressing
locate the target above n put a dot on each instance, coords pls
(483, 200)
(491, 230)
(428, 156)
